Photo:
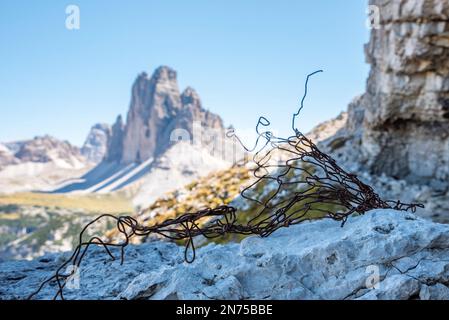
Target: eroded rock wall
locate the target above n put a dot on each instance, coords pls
(406, 104)
(396, 136)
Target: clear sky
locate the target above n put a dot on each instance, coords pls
(245, 58)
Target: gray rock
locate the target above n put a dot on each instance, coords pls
(434, 292)
(114, 150)
(406, 104)
(95, 146)
(157, 108)
(383, 254)
(44, 149)
(398, 130)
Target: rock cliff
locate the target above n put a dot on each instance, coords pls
(158, 115)
(397, 132)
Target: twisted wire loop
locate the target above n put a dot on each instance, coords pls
(293, 182)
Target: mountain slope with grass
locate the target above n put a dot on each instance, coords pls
(33, 224)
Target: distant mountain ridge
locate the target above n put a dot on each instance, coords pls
(96, 144)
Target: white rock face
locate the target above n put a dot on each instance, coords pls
(397, 132)
(317, 260)
(328, 128)
(406, 104)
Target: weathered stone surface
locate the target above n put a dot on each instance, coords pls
(317, 260)
(114, 150)
(407, 99)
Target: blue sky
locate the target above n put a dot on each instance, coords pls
(245, 58)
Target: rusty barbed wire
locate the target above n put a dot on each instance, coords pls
(306, 184)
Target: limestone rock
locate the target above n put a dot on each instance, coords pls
(94, 148)
(397, 132)
(157, 112)
(383, 254)
(407, 99)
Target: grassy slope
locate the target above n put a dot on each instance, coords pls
(44, 215)
(109, 203)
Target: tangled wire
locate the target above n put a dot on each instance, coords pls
(299, 181)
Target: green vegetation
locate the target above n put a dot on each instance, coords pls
(37, 220)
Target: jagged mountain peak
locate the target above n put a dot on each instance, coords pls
(45, 141)
(160, 74)
(157, 108)
(95, 145)
(119, 121)
(164, 73)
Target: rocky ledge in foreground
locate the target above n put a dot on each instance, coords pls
(316, 260)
